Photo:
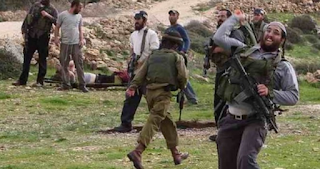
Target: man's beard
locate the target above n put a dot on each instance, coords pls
(76, 12)
(138, 26)
(219, 23)
(270, 48)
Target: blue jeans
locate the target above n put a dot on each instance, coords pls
(190, 94)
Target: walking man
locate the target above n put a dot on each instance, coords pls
(143, 41)
(243, 131)
(173, 18)
(72, 40)
(163, 72)
(36, 29)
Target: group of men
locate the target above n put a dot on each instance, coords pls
(160, 68)
(36, 31)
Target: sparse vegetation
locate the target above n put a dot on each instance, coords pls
(10, 67)
(304, 23)
(199, 35)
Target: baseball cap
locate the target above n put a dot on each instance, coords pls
(173, 11)
(259, 11)
(141, 14)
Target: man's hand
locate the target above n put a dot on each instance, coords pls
(263, 90)
(45, 14)
(130, 92)
(240, 15)
(82, 42)
(56, 41)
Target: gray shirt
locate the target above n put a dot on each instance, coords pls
(286, 91)
(70, 24)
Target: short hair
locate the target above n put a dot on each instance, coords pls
(75, 3)
(228, 12)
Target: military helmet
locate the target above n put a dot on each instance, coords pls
(172, 35)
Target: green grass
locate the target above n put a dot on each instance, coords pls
(45, 128)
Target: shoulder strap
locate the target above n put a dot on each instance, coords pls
(143, 44)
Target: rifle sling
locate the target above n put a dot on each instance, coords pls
(143, 43)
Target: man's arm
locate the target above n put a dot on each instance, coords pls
(139, 78)
(81, 38)
(286, 90)
(186, 39)
(57, 29)
(222, 36)
(52, 17)
(182, 72)
(24, 26)
(154, 41)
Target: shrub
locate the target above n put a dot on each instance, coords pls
(10, 66)
(289, 46)
(198, 28)
(304, 23)
(293, 36)
(312, 38)
(316, 45)
(197, 42)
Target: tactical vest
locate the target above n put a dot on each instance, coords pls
(37, 21)
(261, 71)
(162, 67)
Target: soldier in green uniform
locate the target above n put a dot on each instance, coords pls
(36, 31)
(163, 72)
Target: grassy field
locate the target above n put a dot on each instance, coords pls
(47, 129)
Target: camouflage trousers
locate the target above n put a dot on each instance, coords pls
(159, 118)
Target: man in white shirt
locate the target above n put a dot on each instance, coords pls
(142, 41)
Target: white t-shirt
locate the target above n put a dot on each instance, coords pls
(151, 43)
(70, 24)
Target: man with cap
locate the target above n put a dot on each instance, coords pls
(258, 22)
(219, 57)
(164, 71)
(142, 41)
(36, 29)
(173, 18)
(243, 131)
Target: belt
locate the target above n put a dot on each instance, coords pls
(238, 117)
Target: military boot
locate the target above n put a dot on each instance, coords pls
(177, 156)
(135, 156)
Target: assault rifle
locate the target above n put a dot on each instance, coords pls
(132, 65)
(263, 105)
(180, 100)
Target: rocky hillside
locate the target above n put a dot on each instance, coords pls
(293, 6)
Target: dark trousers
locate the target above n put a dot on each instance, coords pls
(40, 44)
(130, 107)
(218, 103)
(239, 142)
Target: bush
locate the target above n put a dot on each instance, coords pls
(293, 36)
(304, 23)
(10, 66)
(304, 67)
(312, 39)
(197, 42)
(198, 34)
(289, 46)
(198, 28)
(316, 45)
